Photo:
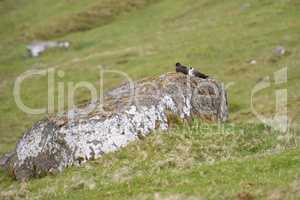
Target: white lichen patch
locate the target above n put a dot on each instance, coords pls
(92, 138)
(31, 143)
(187, 107)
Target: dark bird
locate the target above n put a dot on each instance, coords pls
(189, 71)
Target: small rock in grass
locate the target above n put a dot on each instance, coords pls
(245, 6)
(36, 48)
(279, 51)
(252, 62)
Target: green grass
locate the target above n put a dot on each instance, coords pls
(199, 160)
(218, 37)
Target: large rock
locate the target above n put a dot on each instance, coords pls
(58, 142)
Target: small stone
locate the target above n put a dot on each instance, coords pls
(279, 51)
(36, 48)
(252, 62)
(245, 6)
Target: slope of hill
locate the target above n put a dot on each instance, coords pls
(245, 160)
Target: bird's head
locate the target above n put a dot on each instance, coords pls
(178, 64)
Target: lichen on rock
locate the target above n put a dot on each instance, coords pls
(126, 114)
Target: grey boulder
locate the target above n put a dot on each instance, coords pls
(128, 113)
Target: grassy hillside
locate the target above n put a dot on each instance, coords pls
(145, 38)
(193, 162)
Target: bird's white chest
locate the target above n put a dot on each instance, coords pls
(191, 72)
